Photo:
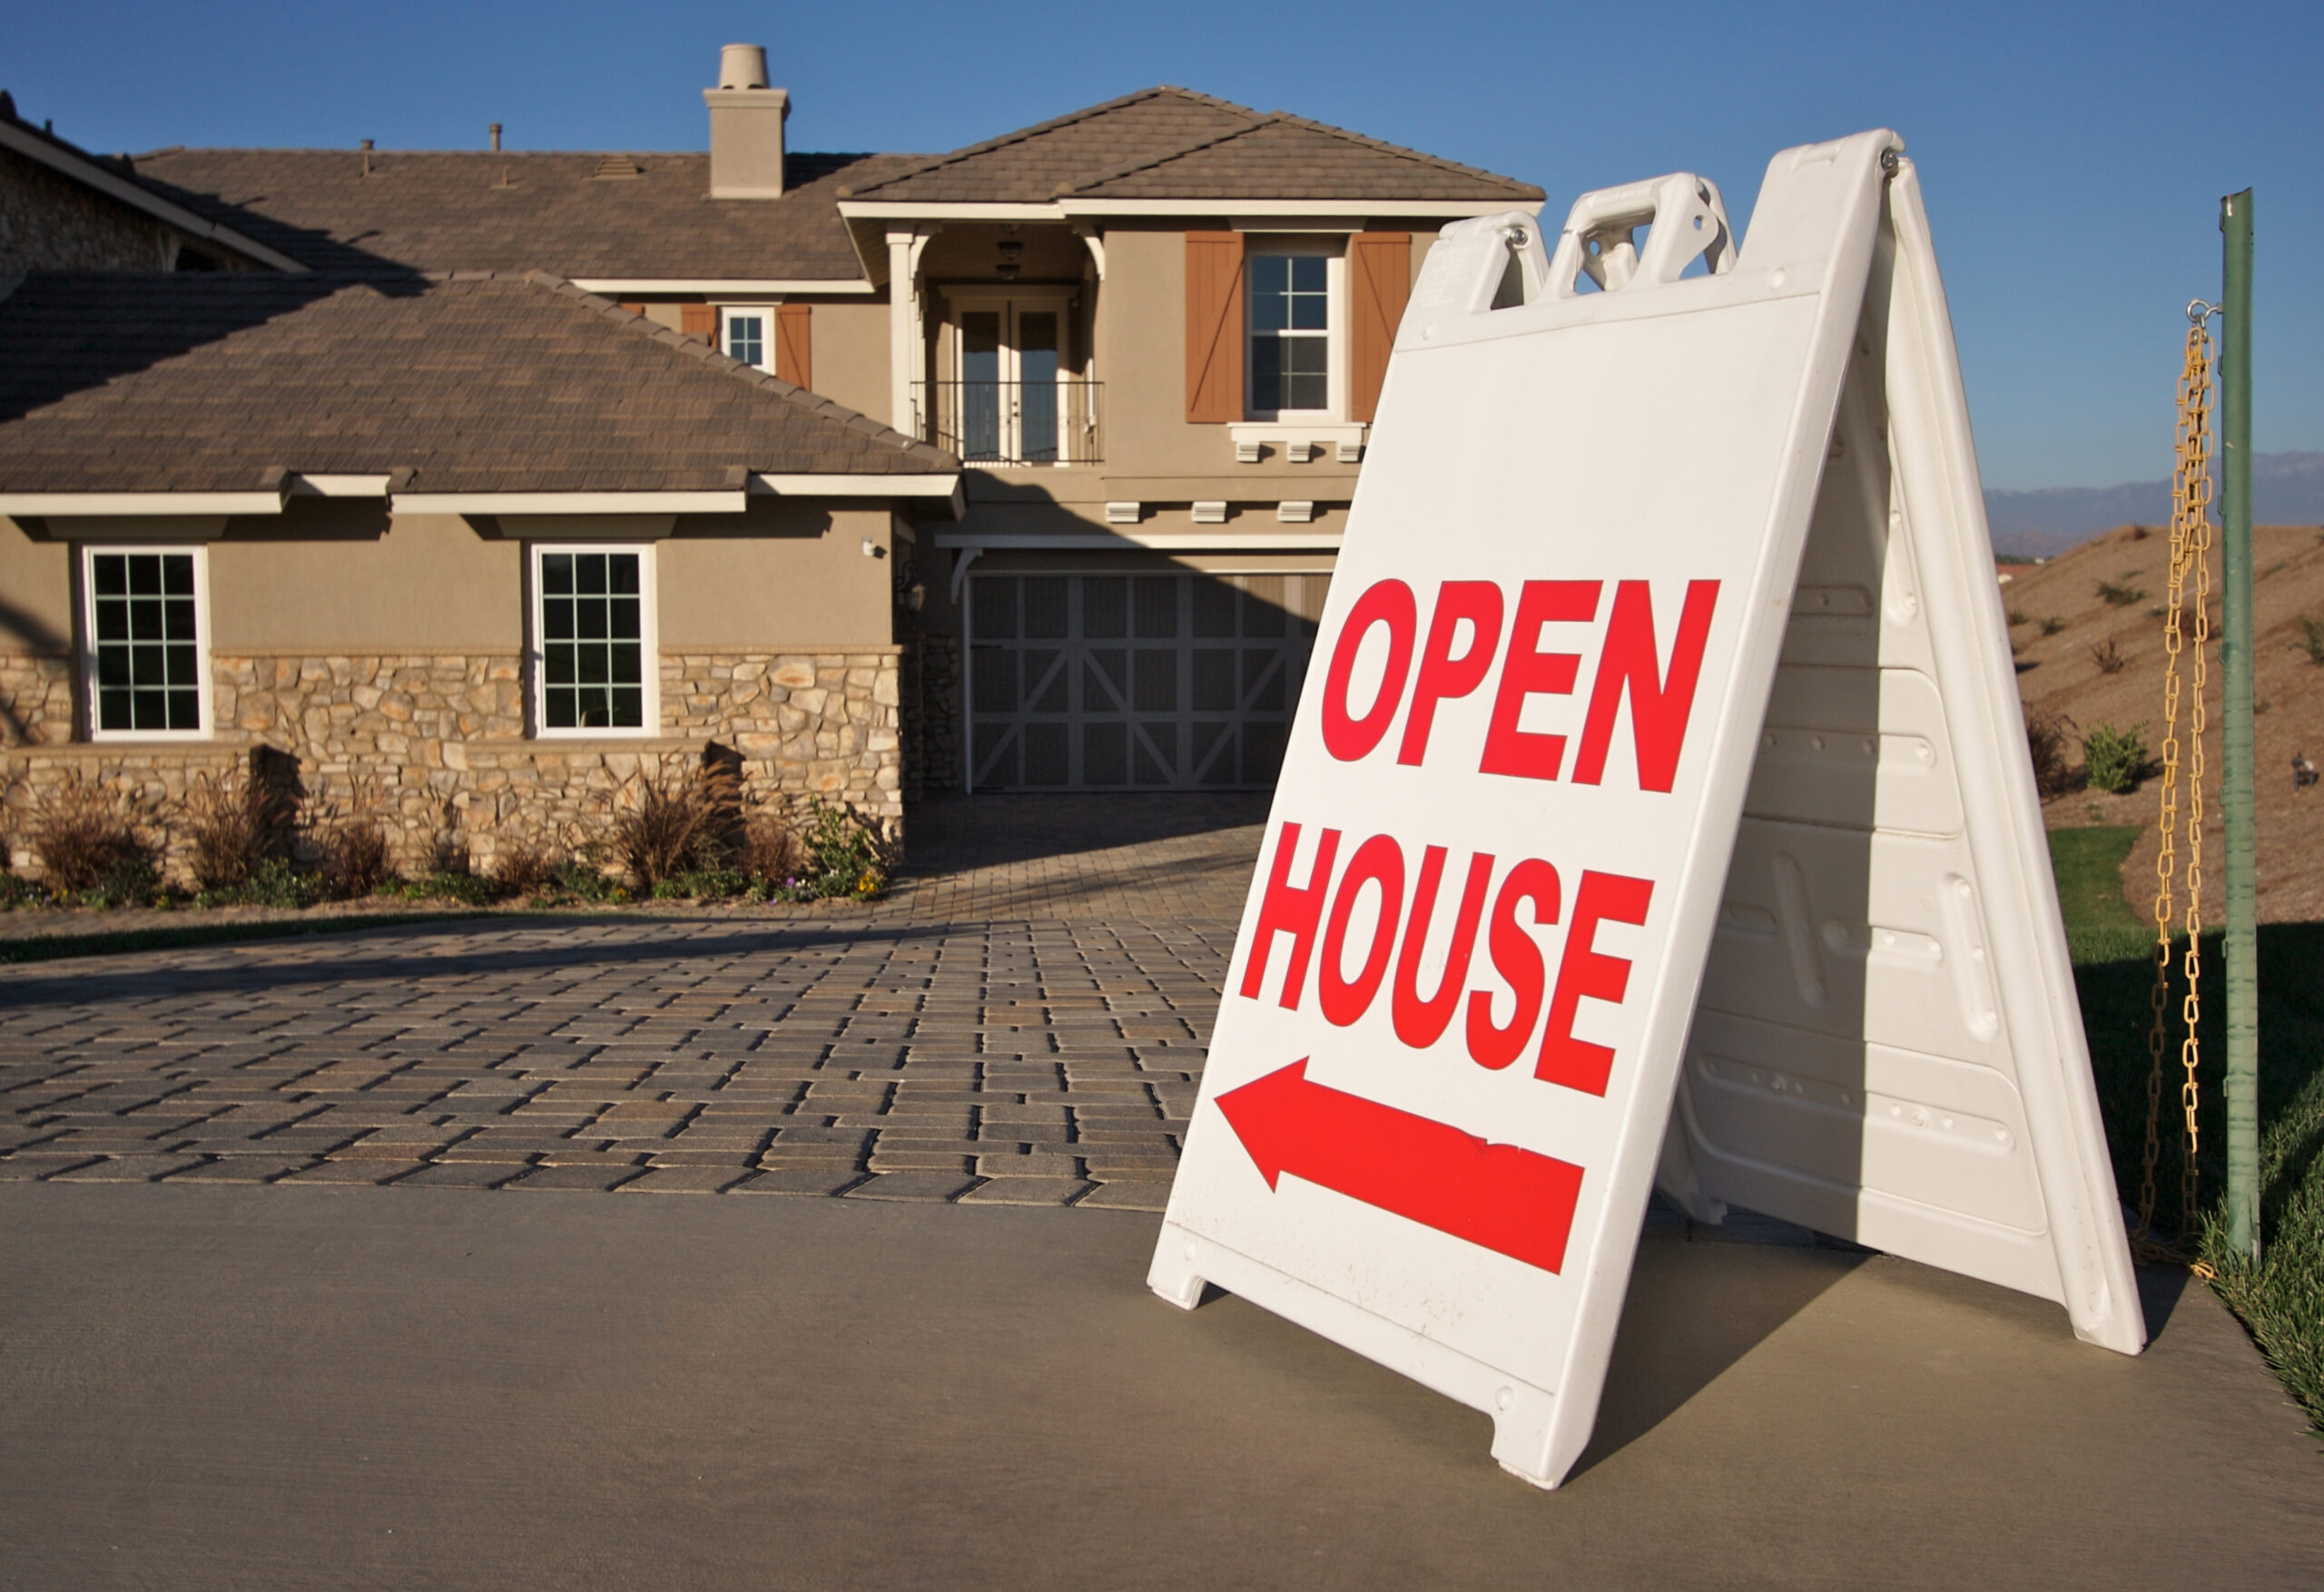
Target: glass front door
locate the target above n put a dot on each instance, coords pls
(1010, 359)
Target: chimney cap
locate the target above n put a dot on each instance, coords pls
(742, 66)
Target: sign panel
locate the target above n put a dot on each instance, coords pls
(1442, 1077)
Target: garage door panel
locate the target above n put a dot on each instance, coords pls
(1105, 606)
(997, 768)
(1214, 672)
(1105, 681)
(1215, 610)
(1263, 680)
(996, 680)
(1046, 767)
(1105, 754)
(1158, 604)
(1263, 749)
(1045, 682)
(1155, 755)
(1161, 682)
(1156, 680)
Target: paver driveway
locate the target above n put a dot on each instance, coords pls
(1022, 1022)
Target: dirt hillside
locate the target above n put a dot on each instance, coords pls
(2065, 672)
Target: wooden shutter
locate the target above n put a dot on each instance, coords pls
(1380, 278)
(795, 348)
(633, 308)
(1213, 327)
(699, 321)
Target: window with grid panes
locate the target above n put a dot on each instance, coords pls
(746, 337)
(1290, 301)
(593, 640)
(145, 641)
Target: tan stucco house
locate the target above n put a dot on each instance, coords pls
(478, 475)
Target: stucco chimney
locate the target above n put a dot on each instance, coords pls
(746, 120)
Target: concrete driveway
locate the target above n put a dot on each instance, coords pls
(238, 1387)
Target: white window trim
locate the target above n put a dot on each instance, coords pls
(765, 313)
(1333, 248)
(649, 641)
(199, 554)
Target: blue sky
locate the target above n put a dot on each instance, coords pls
(2074, 154)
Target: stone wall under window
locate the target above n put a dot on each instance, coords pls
(436, 746)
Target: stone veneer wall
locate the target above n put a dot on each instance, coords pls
(936, 717)
(435, 743)
(35, 699)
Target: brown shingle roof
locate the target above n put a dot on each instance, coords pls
(1172, 144)
(1026, 166)
(467, 210)
(1288, 157)
(120, 382)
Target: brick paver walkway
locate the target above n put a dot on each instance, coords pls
(1022, 1022)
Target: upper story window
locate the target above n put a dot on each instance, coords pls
(1296, 298)
(747, 334)
(594, 664)
(146, 659)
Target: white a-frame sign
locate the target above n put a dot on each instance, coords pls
(1658, 809)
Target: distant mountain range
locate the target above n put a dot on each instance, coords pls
(2287, 489)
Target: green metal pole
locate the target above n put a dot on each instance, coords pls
(2235, 659)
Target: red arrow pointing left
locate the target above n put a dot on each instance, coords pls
(1508, 1200)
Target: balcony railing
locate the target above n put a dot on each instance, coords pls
(1013, 422)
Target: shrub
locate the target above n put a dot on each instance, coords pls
(2312, 640)
(274, 882)
(232, 831)
(2047, 735)
(664, 829)
(356, 857)
(581, 876)
(446, 885)
(353, 846)
(2109, 658)
(87, 835)
(845, 856)
(2052, 625)
(132, 880)
(769, 851)
(525, 868)
(2120, 596)
(2114, 759)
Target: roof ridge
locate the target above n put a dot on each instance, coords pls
(1307, 123)
(695, 348)
(484, 154)
(1382, 144)
(1149, 162)
(966, 152)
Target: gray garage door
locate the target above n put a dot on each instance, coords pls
(1136, 682)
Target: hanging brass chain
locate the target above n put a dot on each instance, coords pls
(2190, 540)
(2192, 478)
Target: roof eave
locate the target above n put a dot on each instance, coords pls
(726, 287)
(135, 504)
(943, 485)
(1065, 210)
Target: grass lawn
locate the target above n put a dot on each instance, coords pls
(2281, 1300)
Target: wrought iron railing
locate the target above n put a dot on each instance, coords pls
(1013, 422)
